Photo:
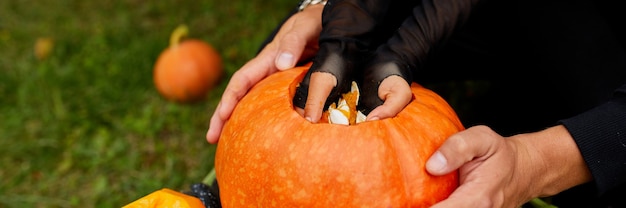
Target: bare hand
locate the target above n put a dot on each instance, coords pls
(507, 172)
(487, 164)
(296, 39)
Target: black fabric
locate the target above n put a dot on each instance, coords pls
(525, 66)
(431, 22)
(373, 76)
(339, 58)
(348, 28)
(398, 33)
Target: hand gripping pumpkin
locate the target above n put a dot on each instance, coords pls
(269, 156)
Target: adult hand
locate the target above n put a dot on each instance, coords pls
(296, 39)
(507, 172)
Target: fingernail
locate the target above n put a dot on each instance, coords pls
(375, 118)
(437, 163)
(309, 119)
(284, 61)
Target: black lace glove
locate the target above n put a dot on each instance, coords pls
(429, 25)
(348, 35)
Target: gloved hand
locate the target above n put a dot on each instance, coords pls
(338, 59)
(351, 30)
(296, 39)
(384, 83)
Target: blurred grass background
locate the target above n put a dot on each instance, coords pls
(85, 127)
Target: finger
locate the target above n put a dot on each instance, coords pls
(321, 85)
(233, 93)
(460, 148)
(239, 84)
(299, 111)
(396, 93)
(467, 195)
(292, 41)
(215, 126)
(292, 44)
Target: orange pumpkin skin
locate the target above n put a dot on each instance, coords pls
(187, 71)
(269, 156)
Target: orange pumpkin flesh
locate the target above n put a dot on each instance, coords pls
(269, 156)
(187, 70)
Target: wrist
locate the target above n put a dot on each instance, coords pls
(528, 176)
(311, 3)
(551, 161)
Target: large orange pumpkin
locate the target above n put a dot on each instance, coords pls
(187, 69)
(269, 156)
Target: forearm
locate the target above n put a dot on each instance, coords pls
(552, 161)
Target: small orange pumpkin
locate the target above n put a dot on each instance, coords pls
(187, 69)
(269, 156)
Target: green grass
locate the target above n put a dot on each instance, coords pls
(85, 127)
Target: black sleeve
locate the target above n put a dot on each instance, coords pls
(430, 23)
(600, 134)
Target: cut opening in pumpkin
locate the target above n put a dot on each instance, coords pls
(344, 111)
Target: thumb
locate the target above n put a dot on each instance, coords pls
(437, 164)
(461, 148)
(293, 41)
(290, 48)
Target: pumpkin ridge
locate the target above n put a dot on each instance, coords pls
(421, 112)
(402, 142)
(396, 143)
